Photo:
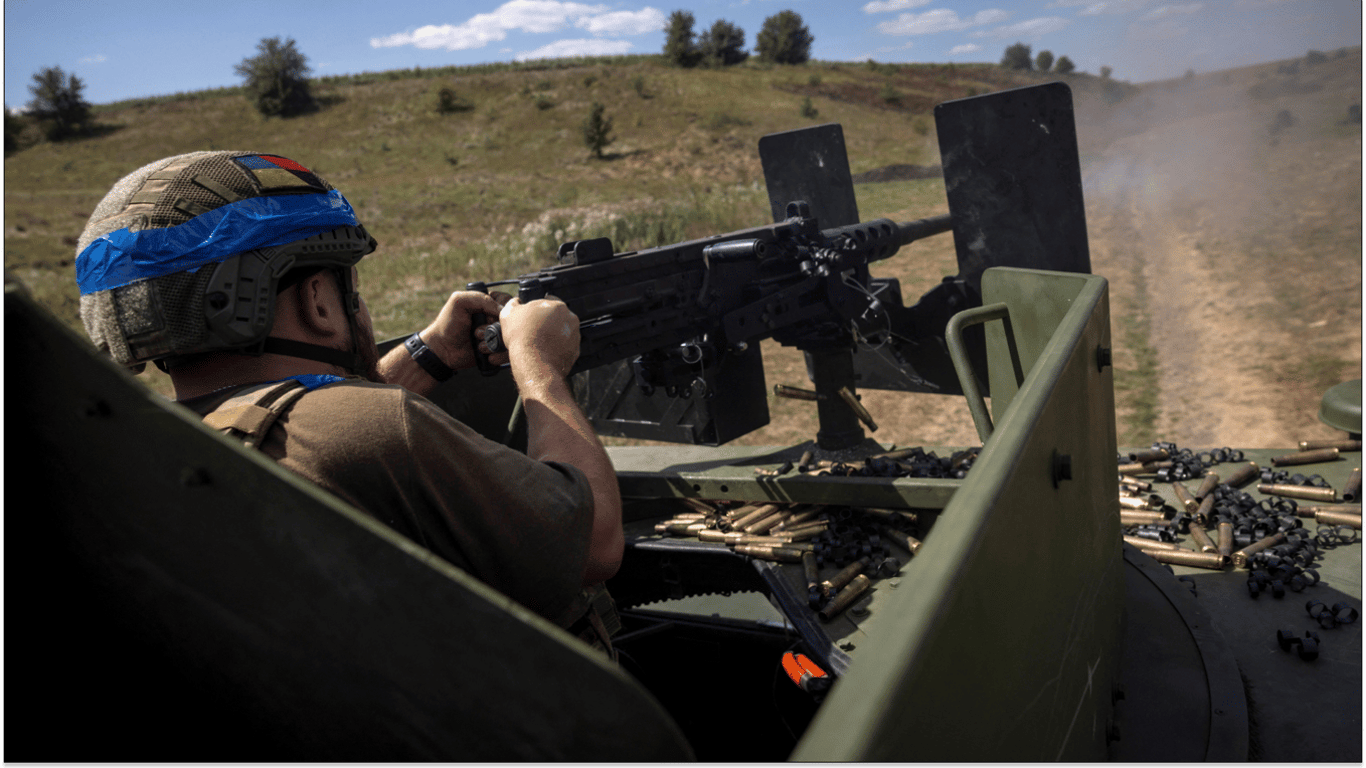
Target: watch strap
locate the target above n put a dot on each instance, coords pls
(428, 359)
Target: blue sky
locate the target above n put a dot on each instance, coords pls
(128, 48)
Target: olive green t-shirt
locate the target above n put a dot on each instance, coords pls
(522, 526)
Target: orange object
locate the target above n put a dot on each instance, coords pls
(803, 671)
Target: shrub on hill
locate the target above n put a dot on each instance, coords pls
(721, 45)
(57, 105)
(277, 78)
(597, 130)
(1017, 56)
(1064, 66)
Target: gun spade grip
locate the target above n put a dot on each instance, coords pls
(477, 319)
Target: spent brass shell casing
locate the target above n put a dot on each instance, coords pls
(739, 512)
(1142, 543)
(698, 505)
(1341, 445)
(1212, 560)
(799, 518)
(805, 460)
(1240, 557)
(1137, 503)
(1201, 538)
(1183, 495)
(1299, 492)
(1226, 539)
(1306, 457)
(1149, 454)
(1309, 510)
(1352, 490)
(686, 527)
(835, 583)
(722, 536)
(901, 538)
(1137, 486)
(890, 514)
(794, 393)
(1127, 517)
(857, 407)
(757, 514)
(765, 524)
(1207, 485)
(1338, 518)
(802, 534)
(846, 597)
(775, 554)
(809, 569)
(1138, 468)
(1202, 512)
(1243, 475)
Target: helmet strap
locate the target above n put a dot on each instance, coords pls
(349, 361)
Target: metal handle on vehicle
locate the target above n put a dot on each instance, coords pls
(958, 351)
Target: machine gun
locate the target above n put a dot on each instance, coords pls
(669, 334)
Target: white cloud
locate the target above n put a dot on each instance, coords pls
(1094, 9)
(1032, 28)
(964, 48)
(98, 58)
(882, 6)
(939, 20)
(1163, 11)
(566, 49)
(535, 16)
(624, 22)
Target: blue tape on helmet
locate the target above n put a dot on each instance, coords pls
(122, 257)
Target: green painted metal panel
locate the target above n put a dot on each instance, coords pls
(1002, 640)
(728, 472)
(172, 596)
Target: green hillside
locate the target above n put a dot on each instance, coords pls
(490, 191)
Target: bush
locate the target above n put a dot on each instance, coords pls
(1044, 61)
(1315, 57)
(57, 105)
(784, 39)
(808, 109)
(721, 45)
(679, 49)
(1105, 73)
(1064, 66)
(277, 78)
(1017, 56)
(448, 101)
(597, 130)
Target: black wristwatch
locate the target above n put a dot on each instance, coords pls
(426, 358)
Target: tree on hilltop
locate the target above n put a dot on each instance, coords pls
(277, 78)
(57, 104)
(1044, 61)
(784, 39)
(679, 49)
(721, 45)
(1018, 56)
(1064, 66)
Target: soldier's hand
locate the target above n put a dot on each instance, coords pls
(541, 332)
(451, 334)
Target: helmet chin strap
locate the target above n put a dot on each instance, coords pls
(349, 361)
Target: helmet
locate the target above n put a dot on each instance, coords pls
(184, 256)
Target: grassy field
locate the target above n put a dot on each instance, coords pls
(490, 191)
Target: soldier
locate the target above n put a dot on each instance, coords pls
(235, 273)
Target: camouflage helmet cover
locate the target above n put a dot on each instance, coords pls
(184, 254)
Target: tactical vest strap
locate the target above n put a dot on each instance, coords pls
(249, 414)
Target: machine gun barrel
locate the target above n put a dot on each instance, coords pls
(731, 288)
